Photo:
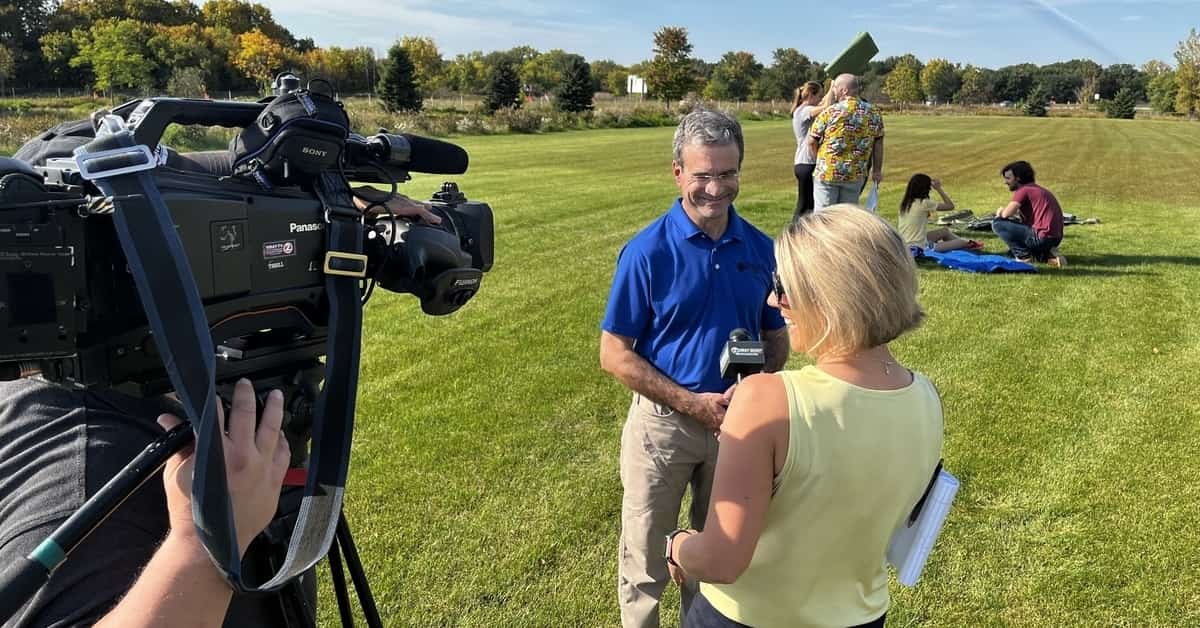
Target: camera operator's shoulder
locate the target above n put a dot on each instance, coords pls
(23, 396)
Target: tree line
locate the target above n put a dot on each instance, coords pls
(187, 49)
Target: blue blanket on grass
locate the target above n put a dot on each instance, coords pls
(976, 263)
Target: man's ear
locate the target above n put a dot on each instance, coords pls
(676, 169)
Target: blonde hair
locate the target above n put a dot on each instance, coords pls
(803, 92)
(847, 270)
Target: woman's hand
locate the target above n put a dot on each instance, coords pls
(255, 463)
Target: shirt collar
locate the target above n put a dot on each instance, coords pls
(687, 229)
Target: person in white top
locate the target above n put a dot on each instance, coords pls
(915, 210)
(806, 105)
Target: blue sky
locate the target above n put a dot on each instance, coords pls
(990, 33)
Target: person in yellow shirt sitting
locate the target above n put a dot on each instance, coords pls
(818, 466)
(917, 208)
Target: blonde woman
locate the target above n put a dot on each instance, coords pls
(818, 466)
(806, 104)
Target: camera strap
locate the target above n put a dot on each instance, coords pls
(122, 169)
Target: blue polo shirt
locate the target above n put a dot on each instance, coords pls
(678, 294)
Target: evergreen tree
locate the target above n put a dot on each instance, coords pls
(1122, 104)
(1035, 105)
(575, 93)
(504, 88)
(398, 86)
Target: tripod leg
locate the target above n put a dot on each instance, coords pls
(356, 573)
(339, 586)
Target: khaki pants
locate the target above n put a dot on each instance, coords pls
(662, 453)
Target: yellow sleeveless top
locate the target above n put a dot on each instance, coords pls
(857, 462)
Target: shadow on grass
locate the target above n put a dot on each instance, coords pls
(1111, 259)
(1072, 270)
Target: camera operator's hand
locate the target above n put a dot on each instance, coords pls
(255, 463)
(401, 205)
(708, 409)
(180, 587)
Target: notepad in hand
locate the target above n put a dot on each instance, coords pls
(911, 543)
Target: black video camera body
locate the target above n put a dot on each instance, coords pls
(254, 238)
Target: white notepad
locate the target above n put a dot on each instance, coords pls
(911, 544)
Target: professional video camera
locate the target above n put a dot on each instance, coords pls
(68, 306)
(103, 230)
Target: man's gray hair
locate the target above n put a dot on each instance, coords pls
(707, 127)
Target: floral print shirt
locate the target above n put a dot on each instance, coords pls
(846, 133)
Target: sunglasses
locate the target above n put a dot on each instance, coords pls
(780, 295)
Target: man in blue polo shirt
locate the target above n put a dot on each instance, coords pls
(681, 285)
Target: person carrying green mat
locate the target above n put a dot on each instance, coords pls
(847, 139)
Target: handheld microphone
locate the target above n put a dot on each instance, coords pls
(742, 356)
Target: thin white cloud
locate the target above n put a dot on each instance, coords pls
(1079, 32)
(1131, 18)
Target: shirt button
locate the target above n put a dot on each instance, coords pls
(718, 267)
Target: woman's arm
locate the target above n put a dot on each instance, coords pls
(753, 439)
(946, 204)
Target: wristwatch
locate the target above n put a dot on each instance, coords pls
(670, 540)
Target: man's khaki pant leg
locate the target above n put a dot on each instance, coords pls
(662, 452)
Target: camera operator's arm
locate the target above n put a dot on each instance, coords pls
(618, 358)
(180, 586)
(402, 205)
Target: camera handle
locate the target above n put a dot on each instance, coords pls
(22, 579)
(149, 118)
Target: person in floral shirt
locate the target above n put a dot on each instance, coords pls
(848, 140)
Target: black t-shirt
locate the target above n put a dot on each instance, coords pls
(58, 446)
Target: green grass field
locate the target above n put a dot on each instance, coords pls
(484, 488)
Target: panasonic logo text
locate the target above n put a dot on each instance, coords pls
(306, 227)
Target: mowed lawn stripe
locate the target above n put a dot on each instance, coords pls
(484, 489)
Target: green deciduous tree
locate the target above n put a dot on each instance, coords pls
(1162, 91)
(398, 88)
(545, 72)
(575, 93)
(116, 52)
(789, 69)
(427, 63)
(734, 76)
(975, 86)
(939, 80)
(671, 73)
(1187, 75)
(609, 76)
(902, 85)
(467, 73)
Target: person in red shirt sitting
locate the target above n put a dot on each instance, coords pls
(1040, 230)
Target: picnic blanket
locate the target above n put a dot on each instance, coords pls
(976, 263)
